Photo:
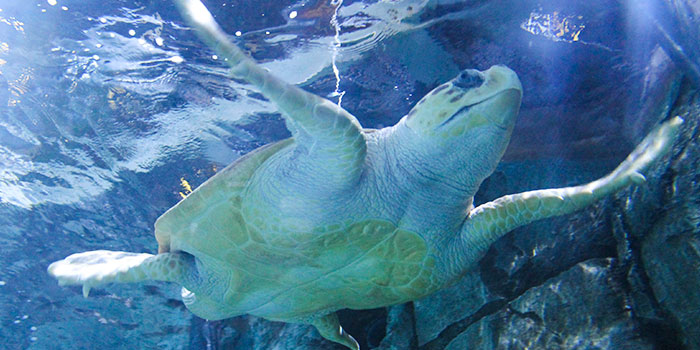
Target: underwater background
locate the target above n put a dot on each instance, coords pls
(112, 111)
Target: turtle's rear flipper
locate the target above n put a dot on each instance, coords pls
(100, 267)
(329, 327)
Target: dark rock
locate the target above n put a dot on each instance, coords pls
(660, 90)
(263, 334)
(579, 309)
(436, 312)
(670, 246)
(400, 330)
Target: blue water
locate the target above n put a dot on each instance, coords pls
(109, 110)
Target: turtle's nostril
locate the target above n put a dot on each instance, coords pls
(469, 78)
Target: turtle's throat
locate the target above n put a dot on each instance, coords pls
(430, 174)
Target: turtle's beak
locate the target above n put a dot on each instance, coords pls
(505, 102)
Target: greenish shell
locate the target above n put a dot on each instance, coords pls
(356, 265)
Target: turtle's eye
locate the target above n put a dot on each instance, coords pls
(469, 79)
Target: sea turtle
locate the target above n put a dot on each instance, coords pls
(343, 217)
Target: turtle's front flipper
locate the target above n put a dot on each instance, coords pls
(330, 134)
(330, 328)
(489, 221)
(100, 267)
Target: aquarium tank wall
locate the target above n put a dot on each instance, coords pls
(112, 112)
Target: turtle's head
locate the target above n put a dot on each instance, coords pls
(472, 101)
(463, 126)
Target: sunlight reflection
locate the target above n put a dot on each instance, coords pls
(198, 11)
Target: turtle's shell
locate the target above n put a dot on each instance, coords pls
(219, 195)
(290, 275)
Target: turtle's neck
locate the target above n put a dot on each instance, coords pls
(418, 197)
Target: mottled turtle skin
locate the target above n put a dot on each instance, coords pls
(342, 217)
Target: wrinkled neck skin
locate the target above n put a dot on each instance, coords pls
(435, 180)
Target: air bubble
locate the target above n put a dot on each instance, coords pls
(293, 15)
(132, 32)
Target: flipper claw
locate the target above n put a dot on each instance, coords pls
(637, 178)
(329, 327)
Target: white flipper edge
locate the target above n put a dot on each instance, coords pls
(99, 267)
